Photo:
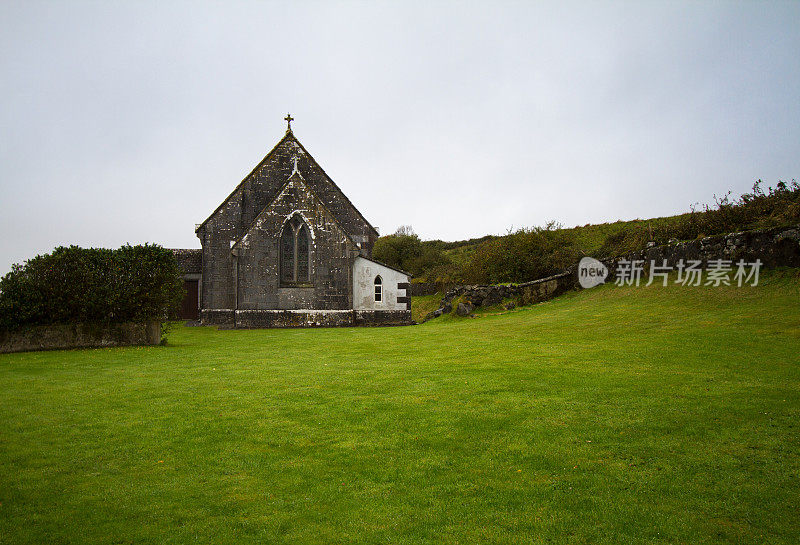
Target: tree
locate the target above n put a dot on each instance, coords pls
(397, 250)
(405, 230)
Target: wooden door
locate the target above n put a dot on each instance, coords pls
(189, 307)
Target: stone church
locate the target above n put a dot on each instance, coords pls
(287, 248)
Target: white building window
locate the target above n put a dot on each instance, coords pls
(378, 289)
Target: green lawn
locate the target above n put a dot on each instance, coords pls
(636, 415)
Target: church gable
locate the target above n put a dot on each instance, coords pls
(260, 187)
(231, 220)
(295, 255)
(294, 198)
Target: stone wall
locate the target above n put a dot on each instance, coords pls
(382, 318)
(217, 316)
(527, 293)
(251, 319)
(775, 247)
(65, 336)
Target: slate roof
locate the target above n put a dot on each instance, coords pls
(190, 261)
(382, 264)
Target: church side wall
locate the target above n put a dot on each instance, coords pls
(393, 286)
(215, 238)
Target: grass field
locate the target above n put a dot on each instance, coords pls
(615, 415)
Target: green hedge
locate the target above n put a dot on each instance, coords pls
(72, 284)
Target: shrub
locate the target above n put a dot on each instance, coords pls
(397, 250)
(526, 254)
(778, 207)
(72, 284)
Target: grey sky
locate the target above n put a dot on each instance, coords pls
(130, 122)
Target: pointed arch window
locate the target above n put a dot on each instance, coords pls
(378, 289)
(295, 253)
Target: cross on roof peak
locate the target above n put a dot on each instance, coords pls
(288, 120)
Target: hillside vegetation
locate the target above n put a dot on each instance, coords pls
(612, 415)
(531, 253)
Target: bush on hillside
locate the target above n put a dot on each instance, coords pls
(397, 250)
(406, 251)
(72, 284)
(428, 259)
(778, 206)
(526, 254)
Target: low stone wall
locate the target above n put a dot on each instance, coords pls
(528, 293)
(544, 289)
(249, 319)
(65, 336)
(382, 317)
(256, 319)
(217, 316)
(777, 247)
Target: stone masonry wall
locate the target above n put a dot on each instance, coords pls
(527, 293)
(775, 247)
(250, 319)
(257, 256)
(65, 336)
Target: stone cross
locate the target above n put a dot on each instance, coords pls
(289, 120)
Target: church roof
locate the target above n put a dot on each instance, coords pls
(339, 200)
(382, 264)
(190, 261)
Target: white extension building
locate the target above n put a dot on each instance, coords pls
(379, 287)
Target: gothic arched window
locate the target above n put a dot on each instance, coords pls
(295, 252)
(378, 289)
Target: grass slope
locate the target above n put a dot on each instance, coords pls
(616, 415)
(422, 305)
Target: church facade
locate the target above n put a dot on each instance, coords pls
(287, 248)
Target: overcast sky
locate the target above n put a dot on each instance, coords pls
(130, 122)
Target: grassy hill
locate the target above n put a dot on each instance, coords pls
(590, 237)
(614, 415)
(537, 252)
